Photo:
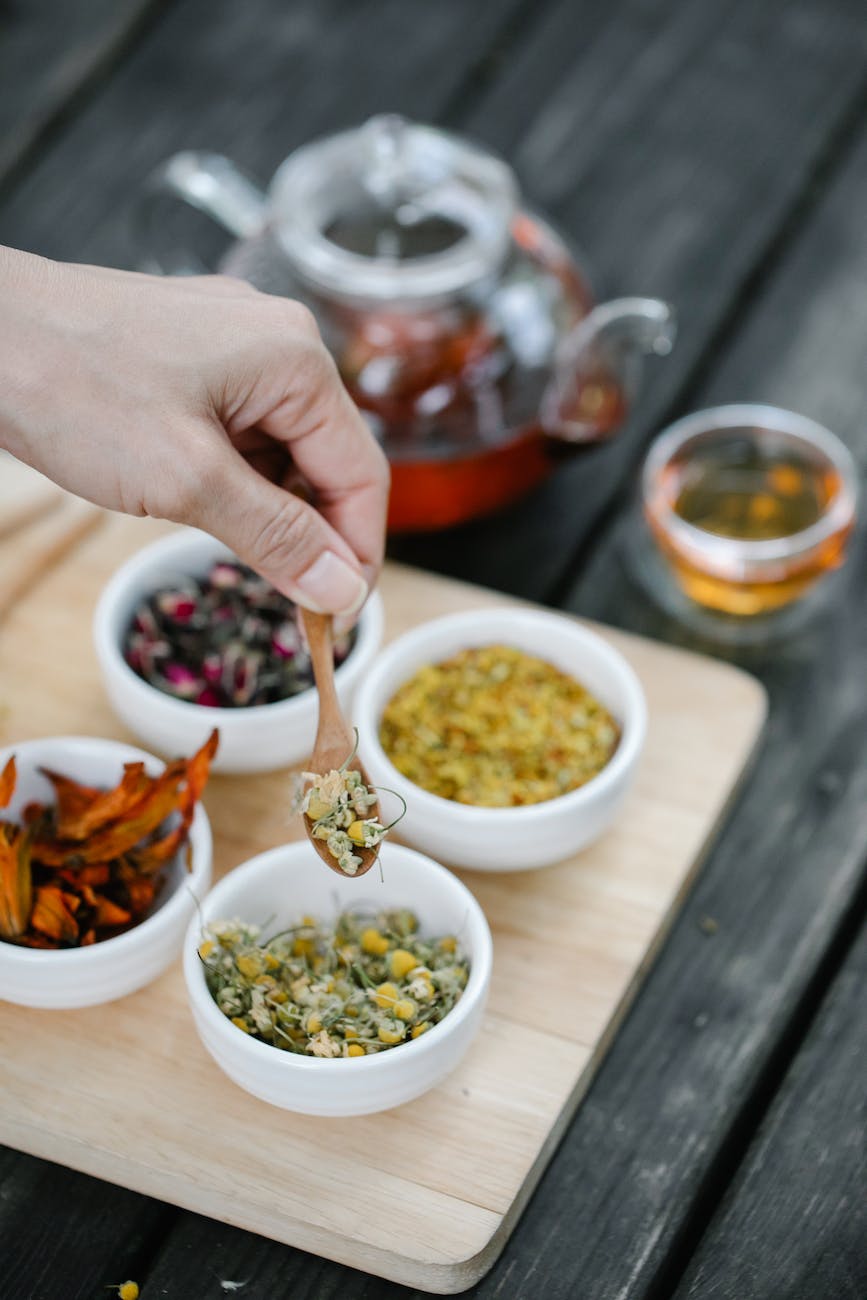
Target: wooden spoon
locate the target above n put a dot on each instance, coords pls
(335, 739)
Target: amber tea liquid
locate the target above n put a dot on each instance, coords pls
(749, 490)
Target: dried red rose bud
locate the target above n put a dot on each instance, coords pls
(225, 576)
(254, 629)
(212, 669)
(286, 640)
(153, 654)
(183, 680)
(227, 640)
(145, 622)
(245, 678)
(176, 605)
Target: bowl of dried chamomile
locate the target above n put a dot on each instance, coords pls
(328, 996)
(512, 735)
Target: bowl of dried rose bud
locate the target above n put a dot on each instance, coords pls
(329, 997)
(189, 639)
(513, 735)
(105, 853)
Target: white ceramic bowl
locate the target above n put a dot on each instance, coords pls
(507, 839)
(279, 887)
(83, 977)
(257, 739)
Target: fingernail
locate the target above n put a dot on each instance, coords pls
(331, 586)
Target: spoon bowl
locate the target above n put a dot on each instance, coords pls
(335, 739)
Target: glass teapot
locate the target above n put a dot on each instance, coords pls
(461, 325)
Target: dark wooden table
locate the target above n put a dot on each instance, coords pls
(713, 152)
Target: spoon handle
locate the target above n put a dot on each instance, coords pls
(319, 639)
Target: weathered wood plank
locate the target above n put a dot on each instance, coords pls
(784, 876)
(63, 1237)
(252, 81)
(670, 141)
(794, 1223)
(620, 1177)
(294, 71)
(49, 55)
(615, 1206)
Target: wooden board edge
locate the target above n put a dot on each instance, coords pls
(434, 1277)
(466, 1273)
(451, 1276)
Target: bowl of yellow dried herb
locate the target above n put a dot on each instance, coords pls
(513, 735)
(189, 639)
(104, 853)
(326, 996)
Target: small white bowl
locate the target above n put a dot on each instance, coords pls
(257, 739)
(507, 839)
(84, 977)
(276, 889)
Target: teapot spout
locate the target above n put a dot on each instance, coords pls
(599, 364)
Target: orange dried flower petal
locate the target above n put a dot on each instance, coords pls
(7, 782)
(15, 881)
(112, 842)
(72, 798)
(53, 914)
(141, 894)
(109, 914)
(109, 806)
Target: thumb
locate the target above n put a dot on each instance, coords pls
(285, 540)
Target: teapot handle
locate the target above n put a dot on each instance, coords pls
(597, 369)
(210, 184)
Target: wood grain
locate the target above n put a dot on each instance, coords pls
(286, 74)
(795, 1220)
(637, 127)
(47, 541)
(670, 143)
(139, 1102)
(784, 877)
(629, 1189)
(49, 54)
(25, 496)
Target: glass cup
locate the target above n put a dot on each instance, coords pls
(748, 509)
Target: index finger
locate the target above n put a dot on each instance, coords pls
(335, 450)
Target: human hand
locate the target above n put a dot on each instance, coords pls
(198, 400)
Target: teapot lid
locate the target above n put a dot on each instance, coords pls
(393, 210)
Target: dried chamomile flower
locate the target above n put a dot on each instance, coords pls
(497, 728)
(369, 982)
(336, 804)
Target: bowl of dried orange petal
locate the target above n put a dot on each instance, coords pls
(104, 853)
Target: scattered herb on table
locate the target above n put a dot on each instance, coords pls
(91, 865)
(361, 986)
(228, 640)
(496, 727)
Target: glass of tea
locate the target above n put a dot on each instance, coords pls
(749, 507)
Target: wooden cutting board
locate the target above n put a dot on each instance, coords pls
(427, 1194)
